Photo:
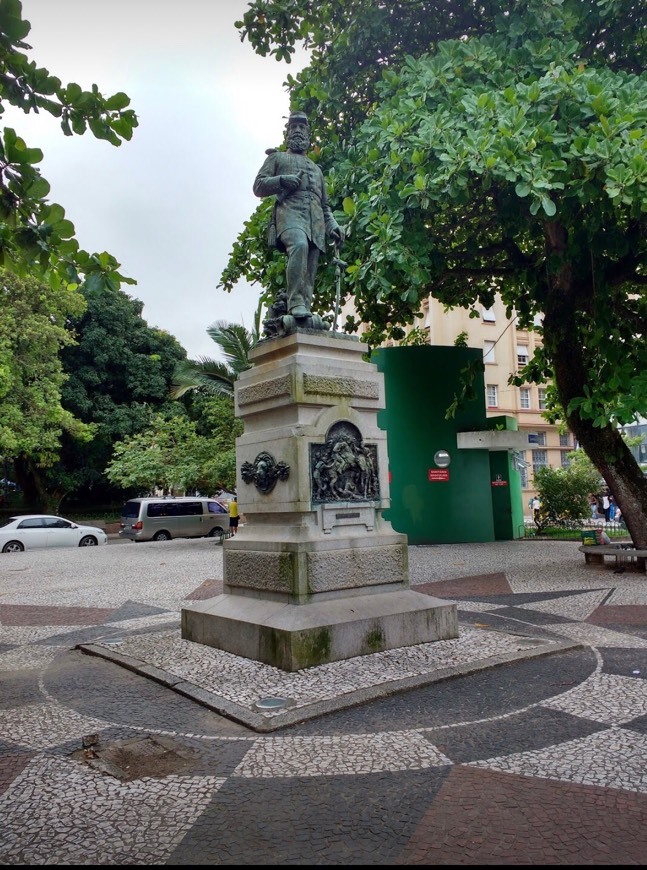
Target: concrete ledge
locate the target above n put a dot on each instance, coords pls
(492, 439)
(292, 637)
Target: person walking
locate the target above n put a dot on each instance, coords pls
(302, 217)
(233, 516)
(606, 506)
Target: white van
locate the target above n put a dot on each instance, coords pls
(161, 519)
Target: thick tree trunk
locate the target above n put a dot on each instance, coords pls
(605, 446)
(35, 498)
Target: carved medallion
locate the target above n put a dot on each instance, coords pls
(264, 471)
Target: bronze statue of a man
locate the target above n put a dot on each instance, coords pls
(302, 215)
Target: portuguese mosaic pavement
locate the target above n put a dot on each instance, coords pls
(524, 741)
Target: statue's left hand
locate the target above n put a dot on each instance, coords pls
(337, 235)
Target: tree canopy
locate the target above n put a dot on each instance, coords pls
(33, 330)
(177, 453)
(119, 373)
(476, 148)
(565, 492)
(42, 303)
(36, 237)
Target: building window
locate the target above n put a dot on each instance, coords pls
(539, 460)
(541, 396)
(565, 460)
(565, 440)
(537, 438)
(522, 465)
(488, 315)
(524, 398)
(488, 352)
(522, 354)
(492, 397)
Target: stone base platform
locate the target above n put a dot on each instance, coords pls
(292, 637)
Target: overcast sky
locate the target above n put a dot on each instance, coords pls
(170, 203)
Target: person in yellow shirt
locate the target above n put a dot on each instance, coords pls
(233, 516)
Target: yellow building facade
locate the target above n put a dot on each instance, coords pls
(506, 349)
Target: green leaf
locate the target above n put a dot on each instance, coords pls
(94, 282)
(99, 128)
(72, 92)
(548, 206)
(124, 128)
(53, 213)
(117, 101)
(78, 124)
(64, 229)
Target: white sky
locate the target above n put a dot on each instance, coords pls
(169, 204)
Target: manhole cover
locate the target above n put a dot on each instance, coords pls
(137, 757)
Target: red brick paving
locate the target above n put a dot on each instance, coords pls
(619, 614)
(209, 589)
(483, 584)
(486, 817)
(11, 765)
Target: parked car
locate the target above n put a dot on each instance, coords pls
(161, 519)
(30, 531)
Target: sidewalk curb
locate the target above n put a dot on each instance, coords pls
(293, 715)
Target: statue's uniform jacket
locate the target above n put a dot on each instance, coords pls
(307, 207)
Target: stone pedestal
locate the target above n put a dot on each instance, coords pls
(316, 574)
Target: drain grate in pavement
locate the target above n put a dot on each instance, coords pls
(137, 757)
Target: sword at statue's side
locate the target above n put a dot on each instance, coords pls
(339, 265)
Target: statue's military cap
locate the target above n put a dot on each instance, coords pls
(298, 116)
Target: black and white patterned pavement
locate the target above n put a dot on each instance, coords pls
(524, 741)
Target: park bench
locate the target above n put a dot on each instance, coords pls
(625, 554)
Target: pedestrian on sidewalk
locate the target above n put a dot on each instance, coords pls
(233, 516)
(606, 506)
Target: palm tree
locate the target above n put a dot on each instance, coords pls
(211, 376)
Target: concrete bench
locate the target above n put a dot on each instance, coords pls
(594, 554)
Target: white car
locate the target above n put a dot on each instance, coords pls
(43, 530)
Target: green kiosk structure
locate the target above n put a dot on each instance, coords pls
(453, 479)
